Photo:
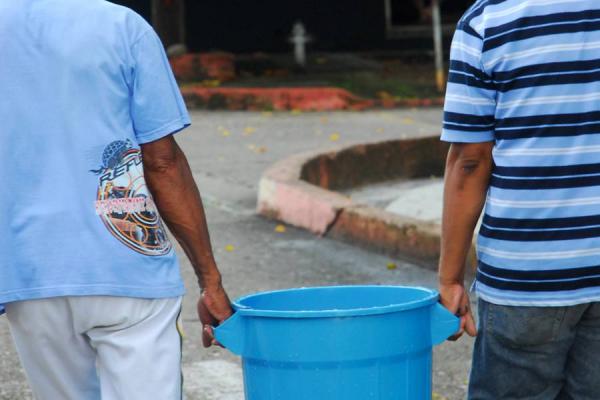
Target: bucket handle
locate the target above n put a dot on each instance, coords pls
(231, 333)
(443, 324)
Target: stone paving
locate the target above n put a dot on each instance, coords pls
(228, 152)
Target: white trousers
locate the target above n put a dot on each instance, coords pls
(99, 347)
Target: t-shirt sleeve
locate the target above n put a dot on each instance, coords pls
(470, 104)
(157, 107)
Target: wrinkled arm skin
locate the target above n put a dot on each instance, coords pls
(178, 200)
(466, 182)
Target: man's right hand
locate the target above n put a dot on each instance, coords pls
(455, 298)
(214, 308)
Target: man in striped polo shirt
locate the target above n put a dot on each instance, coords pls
(523, 115)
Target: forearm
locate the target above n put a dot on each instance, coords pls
(468, 170)
(178, 200)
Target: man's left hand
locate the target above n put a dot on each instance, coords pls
(455, 298)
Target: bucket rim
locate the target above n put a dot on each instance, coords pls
(431, 296)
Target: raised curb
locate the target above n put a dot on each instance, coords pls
(284, 196)
(301, 191)
(214, 68)
(279, 99)
(290, 98)
(217, 66)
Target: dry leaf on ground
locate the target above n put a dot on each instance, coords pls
(280, 228)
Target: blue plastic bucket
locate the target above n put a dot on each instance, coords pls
(333, 343)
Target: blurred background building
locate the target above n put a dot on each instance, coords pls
(385, 51)
(241, 26)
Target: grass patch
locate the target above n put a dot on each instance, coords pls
(373, 85)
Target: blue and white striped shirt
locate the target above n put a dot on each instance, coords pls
(526, 75)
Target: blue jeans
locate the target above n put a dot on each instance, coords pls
(536, 353)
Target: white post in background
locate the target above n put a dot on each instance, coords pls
(440, 72)
(388, 16)
(299, 39)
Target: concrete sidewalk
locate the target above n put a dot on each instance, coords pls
(419, 198)
(228, 152)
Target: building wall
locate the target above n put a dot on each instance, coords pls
(142, 7)
(264, 25)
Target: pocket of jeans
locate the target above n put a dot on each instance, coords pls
(524, 326)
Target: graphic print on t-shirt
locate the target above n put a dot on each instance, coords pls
(124, 203)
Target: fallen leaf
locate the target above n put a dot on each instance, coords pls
(383, 95)
(261, 149)
(229, 248)
(296, 111)
(379, 130)
(392, 266)
(211, 83)
(334, 137)
(249, 130)
(408, 121)
(226, 133)
(280, 228)
(267, 114)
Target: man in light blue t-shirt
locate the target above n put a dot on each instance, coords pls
(88, 277)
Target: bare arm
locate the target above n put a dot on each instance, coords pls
(468, 170)
(177, 197)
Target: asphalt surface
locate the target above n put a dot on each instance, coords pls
(228, 151)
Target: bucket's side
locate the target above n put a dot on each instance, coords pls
(383, 357)
(405, 377)
(334, 339)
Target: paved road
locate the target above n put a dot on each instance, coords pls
(228, 152)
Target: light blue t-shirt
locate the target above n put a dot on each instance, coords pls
(82, 84)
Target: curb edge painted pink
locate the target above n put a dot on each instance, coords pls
(284, 196)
